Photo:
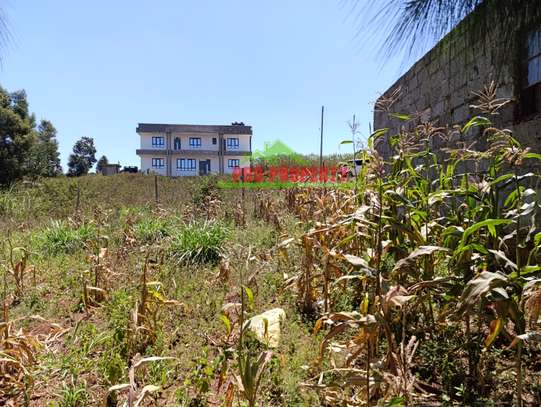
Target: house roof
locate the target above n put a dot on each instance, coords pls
(192, 128)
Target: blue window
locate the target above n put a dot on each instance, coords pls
(158, 141)
(195, 142)
(233, 163)
(534, 58)
(158, 163)
(186, 164)
(232, 143)
(177, 143)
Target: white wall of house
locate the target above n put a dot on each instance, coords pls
(242, 160)
(146, 141)
(146, 164)
(206, 141)
(214, 164)
(244, 141)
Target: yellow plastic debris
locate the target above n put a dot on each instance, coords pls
(266, 326)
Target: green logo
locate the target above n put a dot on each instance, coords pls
(276, 153)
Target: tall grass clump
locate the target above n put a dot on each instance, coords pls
(198, 242)
(6, 203)
(18, 201)
(153, 229)
(61, 237)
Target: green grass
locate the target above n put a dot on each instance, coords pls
(183, 248)
(62, 237)
(198, 242)
(151, 229)
(74, 395)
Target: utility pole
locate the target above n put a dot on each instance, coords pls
(321, 139)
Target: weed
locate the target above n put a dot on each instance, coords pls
(113, 367)
(207, 190)
(198, 242)
(73, 395)
(118, 316)
(151, 229)
(62, 237)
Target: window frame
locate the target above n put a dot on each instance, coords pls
(529, 59)
(185, 164)
(155, 160)
(194, 144)
(232, 143)
(529, 95)
(155, 141)
(234, 161)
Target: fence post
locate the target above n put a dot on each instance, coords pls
(156, 196)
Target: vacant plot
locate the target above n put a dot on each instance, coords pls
(420, 286)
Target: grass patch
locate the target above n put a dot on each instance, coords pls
(61, 237)
(151, 230)
(198, 242)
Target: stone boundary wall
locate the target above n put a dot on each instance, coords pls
(438, 88)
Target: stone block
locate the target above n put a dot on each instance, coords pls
(457, 97)
(461, 114)
(438, 108)
(422, 76)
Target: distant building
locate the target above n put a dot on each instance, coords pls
(110, 169)
(130, 170)
(187, 149)
(439, 86)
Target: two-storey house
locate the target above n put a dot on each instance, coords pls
(187, 149)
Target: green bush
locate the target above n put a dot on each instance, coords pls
(61, 237)
(198, 242)
(118, 318)
(151, 230)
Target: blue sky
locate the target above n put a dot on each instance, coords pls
(98, 68)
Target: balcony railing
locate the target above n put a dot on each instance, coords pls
(199, 151)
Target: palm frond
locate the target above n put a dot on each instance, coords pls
(412, 25)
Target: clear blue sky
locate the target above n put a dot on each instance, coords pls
(97, 68)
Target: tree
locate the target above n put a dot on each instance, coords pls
(45, 158)
(24, 150)
(102, 162)
(83, 157)
(413, 23)
(16, 136)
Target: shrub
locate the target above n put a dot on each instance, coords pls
(61, 237)
(207, 189)
(118, 317)
(151, 230)
(198, 242)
